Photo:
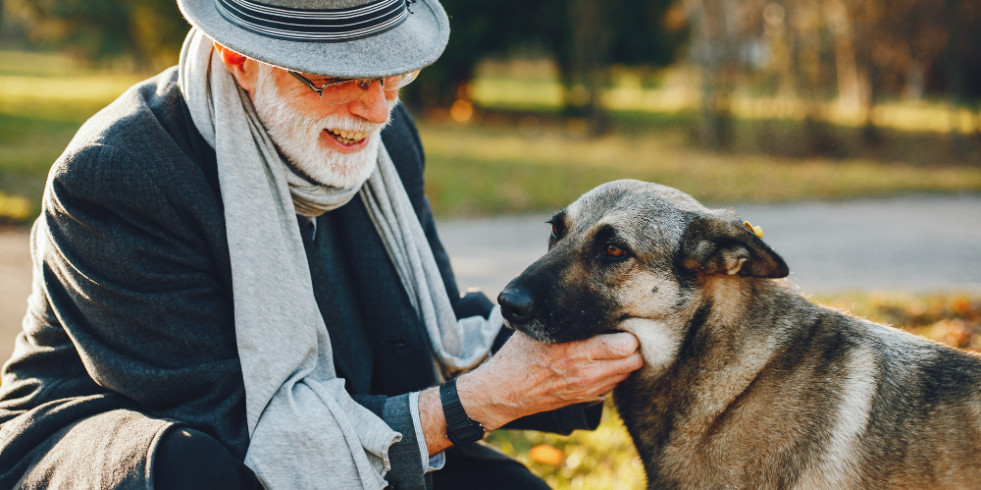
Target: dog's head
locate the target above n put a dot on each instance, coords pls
(632, 256)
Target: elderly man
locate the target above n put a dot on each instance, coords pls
(238, 282)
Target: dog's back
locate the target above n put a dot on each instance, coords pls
(746, 383)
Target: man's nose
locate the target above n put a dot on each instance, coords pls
(372, 105)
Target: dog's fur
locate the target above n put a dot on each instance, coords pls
(746, 384)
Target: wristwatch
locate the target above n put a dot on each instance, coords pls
(460, 429)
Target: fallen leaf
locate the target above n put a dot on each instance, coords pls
(545, 454)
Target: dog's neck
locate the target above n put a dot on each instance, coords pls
(723, 352)
(729, 337)
(723, 327)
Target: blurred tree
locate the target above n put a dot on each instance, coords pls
(585, 38)
(479, 28)
(915, 48)
(158, 30)
(588, 37)
(966, 54)
(712, 49)
(953, 61)
(148, 32)
(856, 51)
(813, 72)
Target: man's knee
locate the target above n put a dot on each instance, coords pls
(189, 459)
(477, 467)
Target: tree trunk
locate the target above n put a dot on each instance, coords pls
(709, 52)
(866, 72)
(955, 84)
(849, 97)
(590, 45)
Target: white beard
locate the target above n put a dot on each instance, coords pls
(296, 134)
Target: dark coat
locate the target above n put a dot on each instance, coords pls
(131, 305)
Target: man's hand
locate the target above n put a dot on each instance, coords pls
(526, 377)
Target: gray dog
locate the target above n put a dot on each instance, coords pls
(746, 384)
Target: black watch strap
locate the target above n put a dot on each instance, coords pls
(460, 429)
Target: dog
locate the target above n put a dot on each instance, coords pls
(746, 383)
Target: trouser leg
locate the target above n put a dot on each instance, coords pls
(187, 459)
(479, 467)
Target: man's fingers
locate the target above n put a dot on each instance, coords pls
(603, 376)
(614, 345)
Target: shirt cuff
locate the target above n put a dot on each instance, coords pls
(438, 460)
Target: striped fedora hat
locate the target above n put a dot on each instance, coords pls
(343, 38)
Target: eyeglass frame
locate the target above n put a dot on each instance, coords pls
(363, 83)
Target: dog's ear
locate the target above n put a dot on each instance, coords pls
(716, 245)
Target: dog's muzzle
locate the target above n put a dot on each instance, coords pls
(517, 306)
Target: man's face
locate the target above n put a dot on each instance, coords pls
(335, 145)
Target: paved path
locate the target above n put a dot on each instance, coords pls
(922, 243)
(926, 243)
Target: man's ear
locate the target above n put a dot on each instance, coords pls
(244, 69)
(715, 245)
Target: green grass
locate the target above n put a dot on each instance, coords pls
(501, 169)
(44, 98)
(604, 459)
(518, 156)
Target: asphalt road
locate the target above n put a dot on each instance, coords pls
(919, 244)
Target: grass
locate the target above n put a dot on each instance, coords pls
(517, 156)
(606, 459)
(503, 170)
(44, 98)
(530, 84)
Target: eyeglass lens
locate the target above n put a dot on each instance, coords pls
(347, 90)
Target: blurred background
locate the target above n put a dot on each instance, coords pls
(763, 102)
(754, 100)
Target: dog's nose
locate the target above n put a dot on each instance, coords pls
(516, 305)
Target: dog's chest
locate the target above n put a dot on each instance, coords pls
(689, 441)
(649, 410)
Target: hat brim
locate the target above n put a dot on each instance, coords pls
(415, 43)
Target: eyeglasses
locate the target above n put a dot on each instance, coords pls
(337, 91)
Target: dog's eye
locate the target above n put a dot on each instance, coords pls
(614, 251)
(557, 228)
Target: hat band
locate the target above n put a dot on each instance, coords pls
(327, 25)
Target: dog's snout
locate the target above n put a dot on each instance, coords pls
(517, 305)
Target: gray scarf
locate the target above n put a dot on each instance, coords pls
(305, 430)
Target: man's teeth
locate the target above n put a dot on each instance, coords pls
(348, 137)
